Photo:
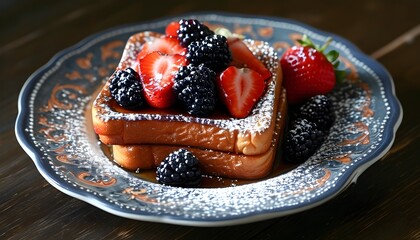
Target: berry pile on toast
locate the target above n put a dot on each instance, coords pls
(219, 98)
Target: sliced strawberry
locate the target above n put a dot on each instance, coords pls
(157, 72)
(171, 29)
(166, 45)
(240, 89)
(243, 57)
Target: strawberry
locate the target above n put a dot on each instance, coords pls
(157, 72)
(172, 29)
(166, 45)
(243, 57)
(308, 72)
(240, 89)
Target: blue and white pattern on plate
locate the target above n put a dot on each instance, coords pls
(54, 128)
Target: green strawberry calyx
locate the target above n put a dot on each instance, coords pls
(332, 56)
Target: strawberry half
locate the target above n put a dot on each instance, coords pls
(240, 89)
(157, 72)
(308, 72)
(171, 29)
(166, 45)
(243, 57)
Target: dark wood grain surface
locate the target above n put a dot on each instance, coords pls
(384, 204)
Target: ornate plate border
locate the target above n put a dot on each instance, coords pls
(53, 128)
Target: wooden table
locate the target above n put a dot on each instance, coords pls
(384, 204)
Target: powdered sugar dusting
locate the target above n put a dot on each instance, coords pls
(258, 121)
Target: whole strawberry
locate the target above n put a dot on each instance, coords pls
(308, 72)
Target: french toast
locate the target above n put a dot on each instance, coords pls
(218, 98)
(252, 135)
(214, 163)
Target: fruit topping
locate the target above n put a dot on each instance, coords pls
(157, 73)
(126, 89)
(240, 75)
(302, 140)
(166, 45)
(213, 51)
(171, 29)
(195, 89)
(243, 57)
(179, 169)
(318, 109)
(240, 89)
(191, 30)
(308, 72)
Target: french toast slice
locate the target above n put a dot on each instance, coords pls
(214, 163)
(218, 132)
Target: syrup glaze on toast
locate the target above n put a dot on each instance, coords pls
(214, 163)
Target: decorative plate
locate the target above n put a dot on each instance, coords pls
(54, 128)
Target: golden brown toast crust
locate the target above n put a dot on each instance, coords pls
(250, 136)
(215, 163)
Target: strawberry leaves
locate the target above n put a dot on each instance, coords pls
(332, 55)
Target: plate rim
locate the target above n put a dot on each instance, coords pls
(30, 149)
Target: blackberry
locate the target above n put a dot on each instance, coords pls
(126, 89)
(302, 140)
(191, 30)
(195, 89)
(180, 168)
(213, 51)
(319, 110)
